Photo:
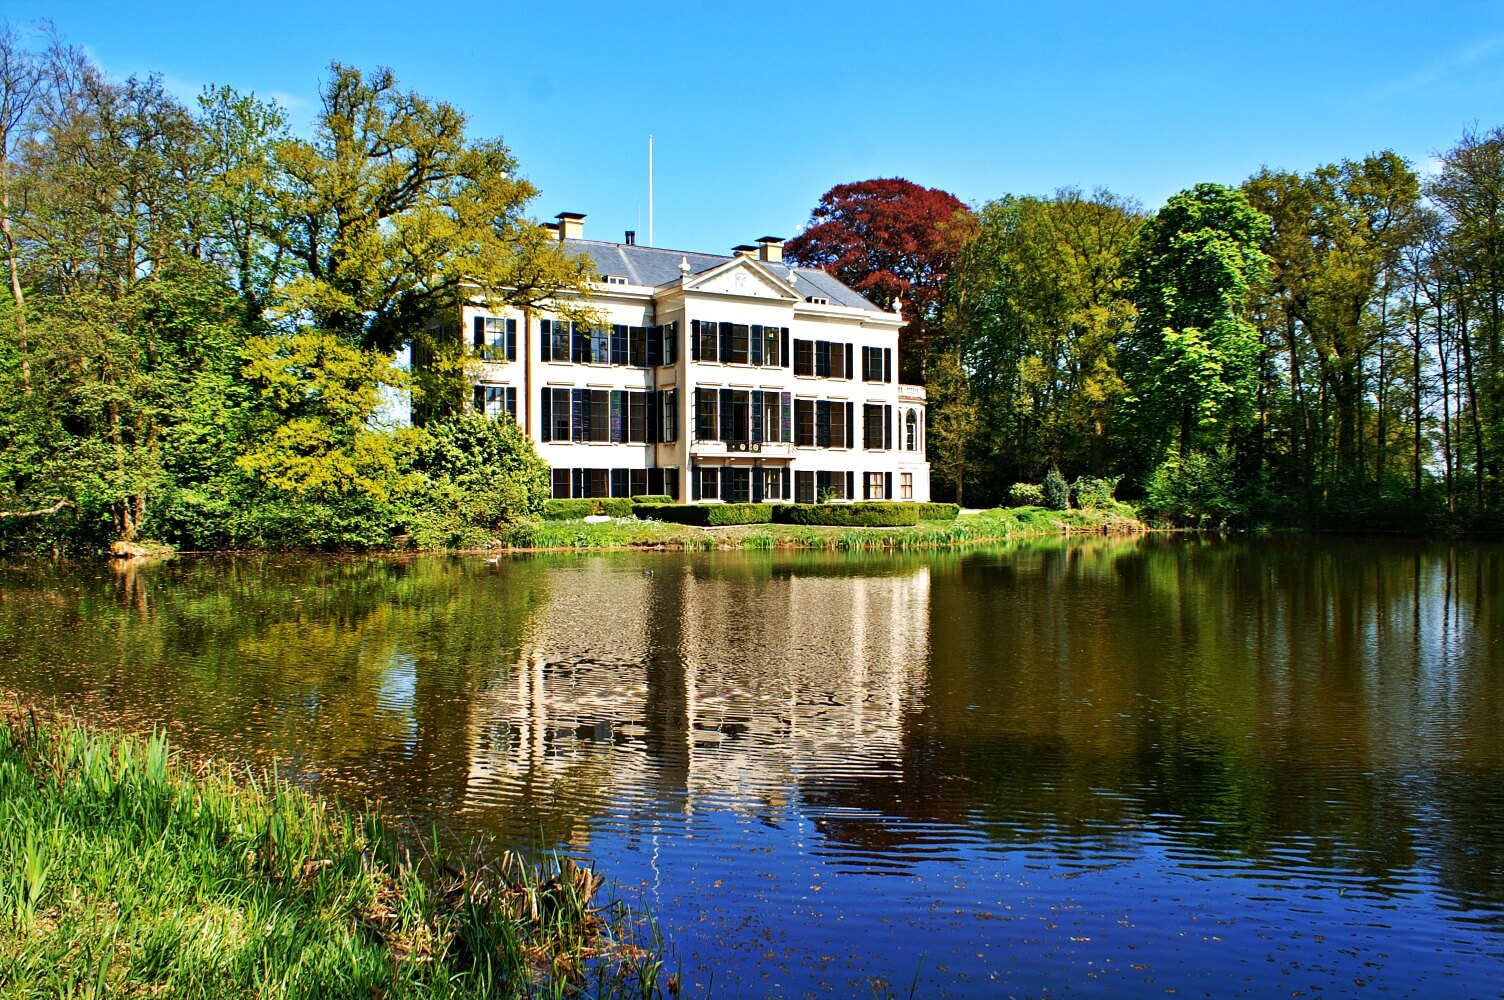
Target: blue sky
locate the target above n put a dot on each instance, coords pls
(758, 108)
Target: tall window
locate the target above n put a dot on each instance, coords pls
(823, 359)
(736, 485)
(804, 357)
(668, 409)
(872, 425)
(705, 415)
(773, 481)
(494, 400)
(554, 337)
(832, 424)
(877, 364)
(876, 487)
(804, 419)
(706, 340)
(911, 431)
(495, 338)
(906, 485)
(804, 487)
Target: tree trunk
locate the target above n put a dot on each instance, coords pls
(1446, 396)
(15, 275)
(1416, 385)
(1470, 382)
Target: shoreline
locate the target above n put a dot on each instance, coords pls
(180, 872)
(970, 529)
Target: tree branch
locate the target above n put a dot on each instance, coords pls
(43, 512)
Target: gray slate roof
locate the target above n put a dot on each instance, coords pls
(656, 266)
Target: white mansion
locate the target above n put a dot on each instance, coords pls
(710, 378)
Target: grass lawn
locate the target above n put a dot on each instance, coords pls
(970, 528)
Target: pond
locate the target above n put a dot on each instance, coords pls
(1096, 767)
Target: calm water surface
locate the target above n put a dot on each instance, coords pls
(1267, 768)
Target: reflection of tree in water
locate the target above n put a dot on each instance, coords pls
(1260, 701)
(1334, 702)
(357, 671)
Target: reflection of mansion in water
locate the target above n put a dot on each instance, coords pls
(681, 682)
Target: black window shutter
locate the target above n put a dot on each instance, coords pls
(545, 339)
(548, 415)
(725, 342)
(888, 427)
(754, 344)
(480, 331)
(784, 356)
(579, 422)
(849, 353)
(887, 486)
(850, 485)
(480, 398)
(887, 364)
(850, 426)
(728, 477)
(694, 351)
(727, 417)
(866, 487)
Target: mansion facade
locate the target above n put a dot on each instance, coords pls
(708, 378)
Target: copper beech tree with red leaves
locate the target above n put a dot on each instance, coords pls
(893, 241)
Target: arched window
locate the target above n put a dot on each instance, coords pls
(911, 431)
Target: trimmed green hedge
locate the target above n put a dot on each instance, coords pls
(653, 498)
(573, 510)
(939, 511)
(871, 514)
(708, 515)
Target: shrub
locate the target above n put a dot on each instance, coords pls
(1026, 495)
(708, 515)
(482, 475)
(578, 507)
(1091, 493)
(1197, 490)
(871, 514)
(1057, 495)
(939, 511)
(653, 498)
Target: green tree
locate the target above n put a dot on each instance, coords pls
(393, 214)
(238, 226)
(1192, 359)
(1469, 191)
(1039, 298)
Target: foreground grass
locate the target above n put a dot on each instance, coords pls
(976, 528)
(127, 873)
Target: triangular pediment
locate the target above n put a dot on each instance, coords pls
(743, 276)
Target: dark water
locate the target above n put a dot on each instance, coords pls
(1267, 768)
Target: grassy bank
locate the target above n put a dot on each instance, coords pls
(128, 872)
(970, 528)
